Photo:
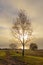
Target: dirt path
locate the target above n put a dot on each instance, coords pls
(11, 61)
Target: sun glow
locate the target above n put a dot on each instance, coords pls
(25, 37)
(24, 48)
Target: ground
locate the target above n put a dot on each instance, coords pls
(14, 58)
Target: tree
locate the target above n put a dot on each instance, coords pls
(33, 46)
(13, 46)
(22, 29)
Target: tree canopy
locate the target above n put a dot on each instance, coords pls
(22, 29)
(33, 46)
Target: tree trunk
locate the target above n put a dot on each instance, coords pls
(23, 44)
(23, 50)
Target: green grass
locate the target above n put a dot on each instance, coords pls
(2, 53)
(30, 60)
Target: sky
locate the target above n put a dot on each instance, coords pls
(8, 12)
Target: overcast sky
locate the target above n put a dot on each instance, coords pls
(9, 10)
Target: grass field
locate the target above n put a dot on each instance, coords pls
(10, 57)
(31, 60)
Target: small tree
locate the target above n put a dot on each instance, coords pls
(33, 46)
(13, 46)
(22, 29)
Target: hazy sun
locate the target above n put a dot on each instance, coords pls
(25, 37)
(24, 48)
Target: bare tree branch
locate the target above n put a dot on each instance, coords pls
(14, 35)
(22, 28)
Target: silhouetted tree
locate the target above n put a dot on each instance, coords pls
(13, 46)
(22, 29)
(33, 46)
